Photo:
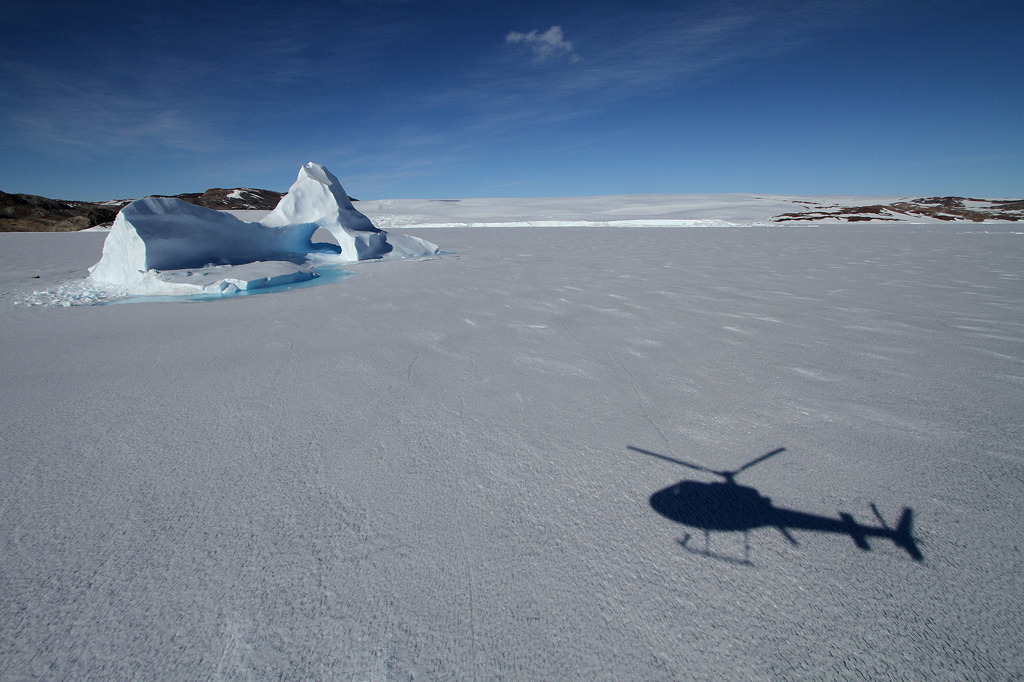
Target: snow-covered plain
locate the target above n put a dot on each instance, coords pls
(632, 210)
(440, 468)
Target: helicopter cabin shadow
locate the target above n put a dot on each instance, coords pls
(725, 506)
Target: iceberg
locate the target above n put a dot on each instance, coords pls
(318, 198)
(169, 234)
(157, 244)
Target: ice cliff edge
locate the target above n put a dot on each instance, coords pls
(155, 235)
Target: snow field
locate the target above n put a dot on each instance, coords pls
(423, 471)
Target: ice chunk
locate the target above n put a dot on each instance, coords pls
(223, 279)
(169, 234)
(317, 197)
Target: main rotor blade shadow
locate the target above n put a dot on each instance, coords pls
(759, 460)
(696, 467)
(728, 475)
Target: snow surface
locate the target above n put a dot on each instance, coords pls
(632, 210)
(670, 210)
(156, 243)
(424, 471)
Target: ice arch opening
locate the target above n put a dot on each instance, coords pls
(323, 239)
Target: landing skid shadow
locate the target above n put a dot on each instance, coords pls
(684, 542)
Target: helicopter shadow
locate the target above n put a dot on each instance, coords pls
(725, 506)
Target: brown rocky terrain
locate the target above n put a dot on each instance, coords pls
(238, 199)
(940, 208)
(30, 213)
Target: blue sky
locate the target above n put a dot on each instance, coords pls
(436, 99)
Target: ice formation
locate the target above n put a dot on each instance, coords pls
(169, 234)
(167, 246)
(317, 197)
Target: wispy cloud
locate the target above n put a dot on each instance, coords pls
(648, 51)
(636, 54)
(190, 87)
(243, 88)
(550, 44)
(81, 115)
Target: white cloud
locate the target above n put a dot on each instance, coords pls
(547, 45)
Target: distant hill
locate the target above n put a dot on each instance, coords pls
(30, 213)
(940, 208)
(238, 199)
(687, 210)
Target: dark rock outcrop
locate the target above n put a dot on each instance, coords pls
(30, 213)
(239, 199)
(939, 208)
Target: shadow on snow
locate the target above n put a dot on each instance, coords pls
(726, 506)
